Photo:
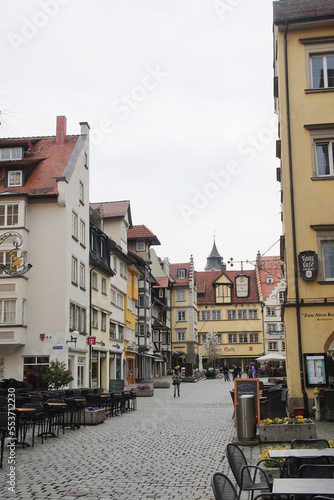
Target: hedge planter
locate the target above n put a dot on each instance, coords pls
(144, 393)
(286, 433)
(161, 385)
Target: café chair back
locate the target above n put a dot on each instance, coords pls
(317, 471)
(222, 487)
(248, 477)
(293, 464)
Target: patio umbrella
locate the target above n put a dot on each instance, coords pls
(271, 357)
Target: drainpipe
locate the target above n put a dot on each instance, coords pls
(293, 221)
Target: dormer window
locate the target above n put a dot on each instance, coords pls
(14, 178)
(181, 273)
(140, 246)
(270, 279)
(11, 154)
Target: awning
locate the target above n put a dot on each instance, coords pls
(99, 349)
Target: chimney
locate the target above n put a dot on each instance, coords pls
(61, 130)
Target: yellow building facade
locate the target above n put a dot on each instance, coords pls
(304, 101)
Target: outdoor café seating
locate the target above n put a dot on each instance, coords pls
(222, 487)
(274, 404)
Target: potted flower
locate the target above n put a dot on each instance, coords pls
(286, 429)
(144, 391)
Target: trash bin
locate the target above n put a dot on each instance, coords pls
(246, 417)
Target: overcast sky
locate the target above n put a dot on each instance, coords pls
(178, 96)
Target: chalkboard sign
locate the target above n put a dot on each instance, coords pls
(116, 385)
(246, 386)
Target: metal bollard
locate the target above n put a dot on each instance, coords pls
(316, 406)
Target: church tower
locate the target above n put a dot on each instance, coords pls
(215, 261)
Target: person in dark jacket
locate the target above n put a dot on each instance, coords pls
(177, 381)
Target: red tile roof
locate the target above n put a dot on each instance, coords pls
(302, 9)
(142, 232)
(173, 272)
(273, 267)
(163, 282)
(47, 162)
(205, 280)
(109, 209)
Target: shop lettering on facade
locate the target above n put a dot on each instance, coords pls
(319, 316)
(229, 349)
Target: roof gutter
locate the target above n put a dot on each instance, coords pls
(293, 220)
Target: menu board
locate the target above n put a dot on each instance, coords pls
(116, 385)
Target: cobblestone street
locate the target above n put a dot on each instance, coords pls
(166, 449)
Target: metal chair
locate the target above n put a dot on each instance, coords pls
(316, 471)
(293, 464)
(222, 487)
(245, 474)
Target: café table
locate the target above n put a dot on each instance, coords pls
(302, 453)
(24, 412)
(303, 486)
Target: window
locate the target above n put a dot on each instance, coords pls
(161, 293)
(120, 301)
(205, 315)
(271, 311)
(254, 338)
(103, 248)
(11, 154)
(81, 372)
(181, 336)
(82, 233)
(324, 157)
(325, 245)
(232, 338)
(123, 270)
(180, 295)
(243, 338)
(141, 300)
(219, 338)
(112, 330)
(9, 215)
(141, 329)
(322, 71)
(77, 318)
(242, 313)
(223, 294)
(14, 178)
(281, 296)
(269, 279)
(7, 311)
(203, 338)
(181, 315)
(129, 279)
(136, 282)
(74, 225)
(82, 275)
(216, 315)
(115, 264)
(103, 322)
(81, 192)
(181, 273)
(94, 280)
(272, 328)
(283, 345)
(231, 314)
(120, 332)
(103, 285)
(74, 271)
(33, 370)
(156, 336)
(140, 246)
(252, 313)
(95, 322)
(272, 346)
(112, 296)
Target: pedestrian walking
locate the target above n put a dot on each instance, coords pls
(226, 373)
(177, 379)
(253, 371)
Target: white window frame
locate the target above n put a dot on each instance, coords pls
(161, 293)
(120, 300)
(112, 330)
(113, 296)
(82, 233)
(206, 315)
(254, 338)
(243, 338)
(231, 314)
(181, 336)
(7, 154)
(7, 311)
(103, 285)
(324, 58)
(325, 236)
(271, 311)
(181, 315)
(273, 346)
(242, 314)
(269, 279)
(103, 321)
(140, 246)
(252, 314)
(14, 178)
(216, 315)
(181, 274)
(82, 275)
(81, 193)
(74, 270)
(95, 281)
(180, 295)
(13, 217)
(232, 338)
(95, 320)
(74, 225)
(316, 47)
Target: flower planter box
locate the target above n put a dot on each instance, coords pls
(93, 417)
(276, 433)
(161, 385)
(144, 393)
(272, 472)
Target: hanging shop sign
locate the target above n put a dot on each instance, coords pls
(308, 265)
(16, 259)
(242, 286)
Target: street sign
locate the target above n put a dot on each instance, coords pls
(91, 340)
(57, 347)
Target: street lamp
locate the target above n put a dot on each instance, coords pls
(74, 337)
